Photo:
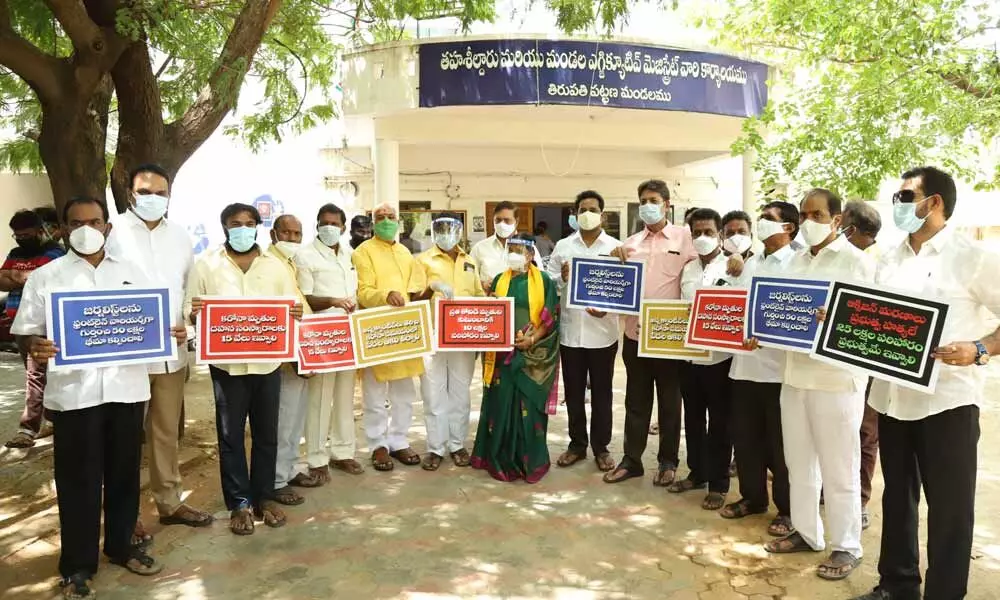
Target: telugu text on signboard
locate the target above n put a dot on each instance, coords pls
(246, 330)
(474, 324)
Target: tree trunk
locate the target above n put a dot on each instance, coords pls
(72, 145)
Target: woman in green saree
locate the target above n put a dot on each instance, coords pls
(520, 387)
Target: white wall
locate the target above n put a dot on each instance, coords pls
(17, 192)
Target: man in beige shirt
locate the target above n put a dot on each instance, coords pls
(237, 269)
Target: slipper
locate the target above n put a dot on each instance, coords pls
(432, 462)
(138, 562)
(620, 474)
(406, 456)
(604, 462)
(288, 496)
(305, 481)
(348, 465)
(738, 510)
(461, 458)
(21, 440)
(241, 522)
(320, 474)
(713, 501)
(75, 588)
(570, 458)
(664, 476)
(789, 544)
(185, 515)
(140, 537)
(685, 485)
(781, 526)
(381, 460)
(272, 516)
(838, 566)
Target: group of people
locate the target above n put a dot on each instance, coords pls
(759, 403)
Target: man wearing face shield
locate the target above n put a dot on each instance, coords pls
(97, 411)
(930, 441)
(361, 230)
(162, 248)
(448, 272)
(822, 407)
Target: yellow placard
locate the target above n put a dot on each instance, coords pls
(390, 333)
(663, 330)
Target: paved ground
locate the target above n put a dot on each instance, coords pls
(452, 534)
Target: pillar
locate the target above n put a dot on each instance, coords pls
(386, 161)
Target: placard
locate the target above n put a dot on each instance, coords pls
(325, 344)
(718, 319)
(391, 333)
(110, 327)
(782, 312)
(474, 325)
(606, 284)
(886, 334)
(246, 330)
(663, 329)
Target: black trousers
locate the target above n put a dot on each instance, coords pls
(938, 452)
(599, 363)
(236, 398)
(707, 401)
(755, 421)
(98, 451)
(646, 375)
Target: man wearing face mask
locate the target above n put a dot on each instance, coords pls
(756, 387)
(448, 272)
(97, 411)
(32, 251)
(861, 226)
(930, 441)
(52, 231)
(388, 275)
(162, 248)
(665, 248)
(736, 238)
(361, 230)
(705, 385)
(240, 269)
(822, 407)
(491, 254)
(588, 341)
(328, 280)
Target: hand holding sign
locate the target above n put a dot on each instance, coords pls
(42, 349)
(395, 299)
(958, 354)
(621, 253)
(196, 305)
(296, 311)
(179, 333)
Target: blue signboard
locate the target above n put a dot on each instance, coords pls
(606, 284)
(105, 327)
(589, 74)
(783, 312)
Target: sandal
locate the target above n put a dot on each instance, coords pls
(138, 562)
(21, 439)
(432, 462)
(654, 429)
(866, 520)
(838, 566)
(713, 501)
(620, 474)
(288, 496)
(406, 456)
(75, 587)
(664, 476)
(348, 465)
(185, 515)
(305, 481)
(685, 485)
(272, 516)
(241, 522)
(789, 544)
(738, 510)
(604, 462)
(570, 458)
(461, 458)
(381, 460)
(140, 537)
(46, 430)
(781, 526)
(732, 470)
(320, 474)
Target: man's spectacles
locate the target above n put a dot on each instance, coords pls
(906, 197)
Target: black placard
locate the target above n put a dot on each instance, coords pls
(888, 335)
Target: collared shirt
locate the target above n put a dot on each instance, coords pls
(460, 274)
(838, 261)
(327, 273)
(21, 260)
(165, 254)
(491, 257)
(382, 268)
(216, 274)
(696, 275)
(577, 329)
(953, 269)
(665, 252)
(84, 387)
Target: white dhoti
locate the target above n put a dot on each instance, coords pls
(445, 390)
(386, 427)
(330, 422)
(292, 408)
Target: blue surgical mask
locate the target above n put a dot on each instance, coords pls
(242, 239)
(150, 207)
(904, 214)
(651, 214)
(573, 224)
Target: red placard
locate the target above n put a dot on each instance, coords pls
(246, 330)
(718, 319)
(474, 324)
(325, 344)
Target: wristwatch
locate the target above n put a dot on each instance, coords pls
(982, 354)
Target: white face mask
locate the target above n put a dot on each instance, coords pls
(766, 229)
(706, 244)
(815, 233)
(86, 240)
(150, 207)
(289, 249)
(738, 243)
(504, 230)
(516, 262)
(329, 235)
(589, 221)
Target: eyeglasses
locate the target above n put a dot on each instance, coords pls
(907, 196)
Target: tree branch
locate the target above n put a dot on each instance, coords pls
(37, 69)
(963, 83)
(77, 24)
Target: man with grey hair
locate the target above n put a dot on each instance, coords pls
(861, 225)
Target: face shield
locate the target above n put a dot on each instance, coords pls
(519, 254)
(446, 232)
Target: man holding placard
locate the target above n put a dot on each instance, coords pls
(822, 406)
(448, 272)
(588, 340)
(387, 276)
(930, 440)
(97, 410)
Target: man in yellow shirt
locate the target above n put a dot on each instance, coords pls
(244, 390)
(388, 276)
(448, 272)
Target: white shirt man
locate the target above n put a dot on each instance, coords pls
(329, 282)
